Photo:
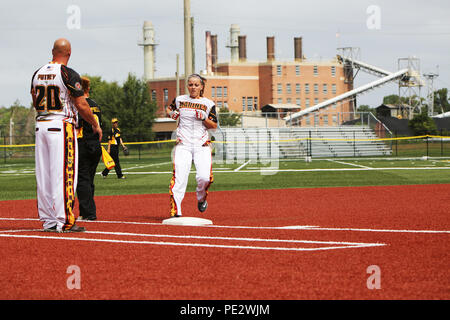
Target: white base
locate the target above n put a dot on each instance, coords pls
(187, 221)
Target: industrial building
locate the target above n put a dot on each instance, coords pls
(273, 85)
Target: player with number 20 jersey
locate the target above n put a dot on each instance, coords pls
(58, 97)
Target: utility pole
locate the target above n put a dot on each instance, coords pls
(193, 44)
(187, 42)
(177, 75)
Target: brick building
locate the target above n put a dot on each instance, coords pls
(246, 86)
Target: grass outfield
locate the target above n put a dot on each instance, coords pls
(17, 181)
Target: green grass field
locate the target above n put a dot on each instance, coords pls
(152, 175)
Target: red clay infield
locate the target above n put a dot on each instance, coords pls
(258, 247)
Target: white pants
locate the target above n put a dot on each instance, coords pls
(182, 161)
(56, 156)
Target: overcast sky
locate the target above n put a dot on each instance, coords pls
(106, 42)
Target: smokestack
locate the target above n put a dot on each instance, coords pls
(298, 50)
(234, 42)
(270, 48)
(149, 50)
(242, 48)
(214, 50)
(208, 52)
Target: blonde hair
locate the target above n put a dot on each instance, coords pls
(202, 81)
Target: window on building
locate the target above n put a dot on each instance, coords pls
(249, 103)
(154, 95)
(255, 103)
(243, 103)
(279, 88)
(219, 104)
(225, 92)
(213, 91)
(288, 88)
(166, 95)
(307, 104)
(316, 101)
(316, 88)
(316, 70)
(288, 100)
(306, 88)
(316, 119)
(219, 92)
(333, 88)
(325, 88)
(325, 119)
(297, 70)
(297, 88)
(297, 102)
(308, 121)
(333, 71)
(280, 100)
(334, 119)
(278, 70)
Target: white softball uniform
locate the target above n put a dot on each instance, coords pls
(193, 145)
(56, 151)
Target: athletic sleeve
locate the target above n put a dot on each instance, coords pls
(173, 105)
(111, 134)
(32, 80)
(96, 110)
(72, 81)
(212, 114)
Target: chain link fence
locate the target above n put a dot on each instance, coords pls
(275, 134)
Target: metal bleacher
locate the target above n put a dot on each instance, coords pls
(265, 143)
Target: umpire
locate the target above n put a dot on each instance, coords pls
(114, 140)
(89, 155)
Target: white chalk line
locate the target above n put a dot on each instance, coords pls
(299, 170)
(241, 166)
(337, 245)
(145, 166)
(304, 227)
(262, 169)
(349, 164)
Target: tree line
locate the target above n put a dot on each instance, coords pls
(130, 103)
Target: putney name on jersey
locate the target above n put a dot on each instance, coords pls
(46, 76)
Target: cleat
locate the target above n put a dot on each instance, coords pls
(90, 218)
(122, 177)
(51, 229)
(202, 205)
(75, 228)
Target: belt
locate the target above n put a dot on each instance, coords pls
(51, 129)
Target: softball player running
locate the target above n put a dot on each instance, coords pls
(196, 115)
(58, 97)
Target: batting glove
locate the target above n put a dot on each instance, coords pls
(200, 114)
(174, 114)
